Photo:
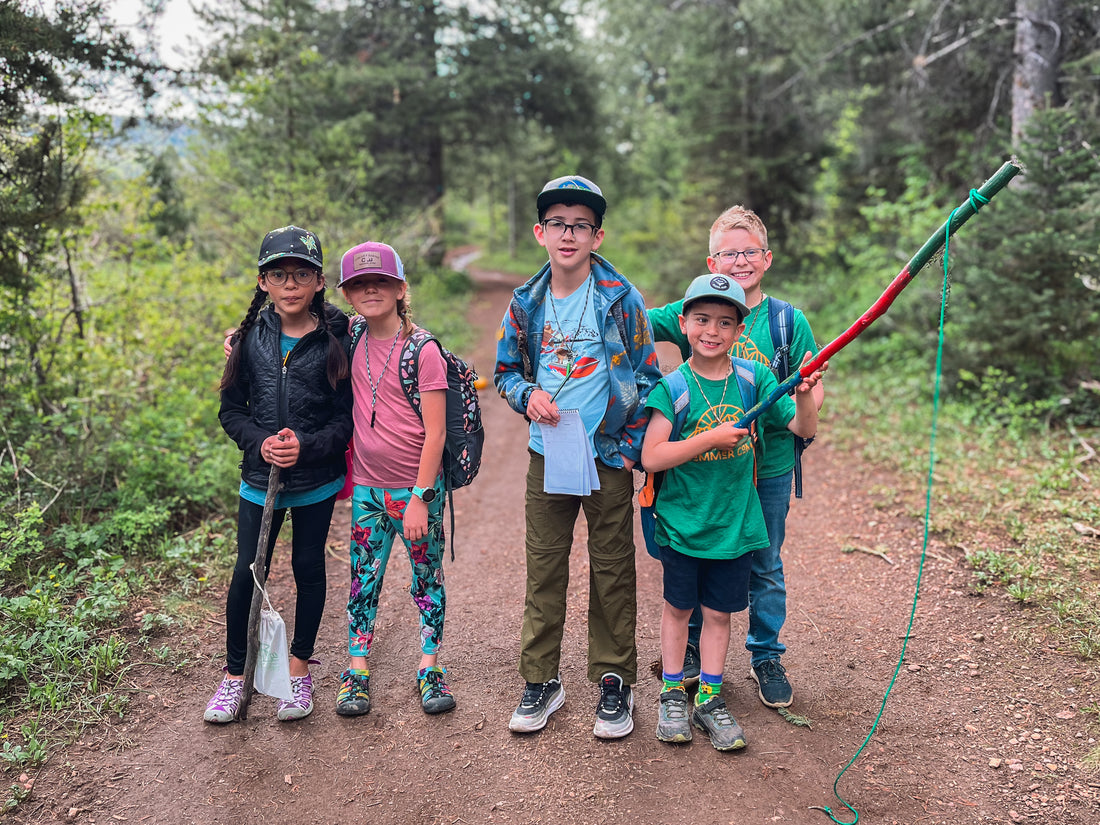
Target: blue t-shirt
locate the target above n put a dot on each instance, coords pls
(573, 359)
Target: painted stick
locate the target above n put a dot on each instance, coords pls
(252, 651)
(933, 245)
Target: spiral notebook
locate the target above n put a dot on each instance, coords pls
(570, 467)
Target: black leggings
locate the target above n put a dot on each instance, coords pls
(307, 559)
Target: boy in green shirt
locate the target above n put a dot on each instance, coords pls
(708, 514)
(739, 250)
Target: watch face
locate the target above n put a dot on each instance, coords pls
(429, 495)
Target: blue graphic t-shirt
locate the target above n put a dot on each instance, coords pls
(573, 359)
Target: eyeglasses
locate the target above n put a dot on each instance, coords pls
(556, 229)
(302, 277)
(731, 255)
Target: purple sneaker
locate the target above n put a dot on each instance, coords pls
(301, 705)
(226, 702)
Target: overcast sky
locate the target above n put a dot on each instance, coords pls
(177, 24)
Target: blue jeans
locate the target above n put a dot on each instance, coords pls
(767, 591)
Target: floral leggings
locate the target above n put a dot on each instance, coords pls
(377, 518)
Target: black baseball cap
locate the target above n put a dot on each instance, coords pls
(291, 242)
(572, 189)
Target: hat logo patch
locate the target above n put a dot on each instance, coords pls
(370, 259)
(310, 242)
(574, 184)
(720, 283)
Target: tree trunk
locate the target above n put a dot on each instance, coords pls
(1038, 56)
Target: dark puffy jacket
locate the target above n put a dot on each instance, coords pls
(269, 395)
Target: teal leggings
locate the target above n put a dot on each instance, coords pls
(377, 518)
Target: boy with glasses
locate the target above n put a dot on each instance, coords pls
(739, 250)
(576, 337)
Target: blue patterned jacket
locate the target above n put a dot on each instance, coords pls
(628, 346)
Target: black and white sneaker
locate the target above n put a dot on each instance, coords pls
(614, 714)
(540, 699)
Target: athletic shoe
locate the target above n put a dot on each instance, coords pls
(773, 687)
(718, 723)
(692, 665)
(673, 724)
(226, 701)
(353, 698)
(614, 718)
(540, 699)
(435, 695)
(301, 705)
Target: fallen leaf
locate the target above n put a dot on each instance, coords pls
(288, 780)
(1066, 714)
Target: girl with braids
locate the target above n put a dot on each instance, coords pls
(396, 470)
(285, 400)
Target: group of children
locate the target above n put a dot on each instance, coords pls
(577, 336)
(300, 381)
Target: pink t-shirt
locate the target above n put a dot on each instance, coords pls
(388, 454)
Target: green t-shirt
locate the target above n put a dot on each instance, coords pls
(708, 507)
(755, 345)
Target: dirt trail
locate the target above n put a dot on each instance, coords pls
(984, 724)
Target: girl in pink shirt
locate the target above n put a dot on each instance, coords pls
(396, 471)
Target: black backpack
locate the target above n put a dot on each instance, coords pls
(781, 326)
(465, 435)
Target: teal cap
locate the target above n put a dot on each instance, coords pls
(716, 287)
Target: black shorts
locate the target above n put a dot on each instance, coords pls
(720, 584)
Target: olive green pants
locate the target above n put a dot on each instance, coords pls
(612, 581)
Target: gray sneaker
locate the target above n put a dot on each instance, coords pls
(716, 721)
(772, 685)
(540, 699)
(673, 724)
(614, 713)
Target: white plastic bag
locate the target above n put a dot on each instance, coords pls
(273, 659)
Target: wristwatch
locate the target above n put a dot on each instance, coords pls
(425, 495)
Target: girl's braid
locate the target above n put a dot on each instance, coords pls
(336, 367)
(232, 364)
(404, 312)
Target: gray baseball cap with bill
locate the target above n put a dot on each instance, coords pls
(716, 287)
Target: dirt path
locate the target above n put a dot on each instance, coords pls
(985, 722)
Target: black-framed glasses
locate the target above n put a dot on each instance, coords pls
(555, 229)
(302, 277)
(731, 255)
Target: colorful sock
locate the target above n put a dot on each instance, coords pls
(420, 673)
(673, 680)
(710, 685)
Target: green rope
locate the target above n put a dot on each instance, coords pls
(977, 200)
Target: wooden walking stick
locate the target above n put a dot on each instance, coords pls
(259, 567)
(964, 212)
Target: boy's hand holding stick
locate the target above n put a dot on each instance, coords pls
(958, 217)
